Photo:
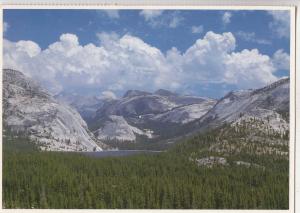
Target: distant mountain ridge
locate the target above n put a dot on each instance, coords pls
(164, 110)
(132, 93)
(137, 117)
(85, 105)
(164, 92)
(140, 110)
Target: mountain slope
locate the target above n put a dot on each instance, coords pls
(117, 128)
(269, 104)
(85, 105)
(138, 103)
(148, 112)
(185, 114)
(31, 110)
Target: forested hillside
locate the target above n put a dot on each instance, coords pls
(193, 174)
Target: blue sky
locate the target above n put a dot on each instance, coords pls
(146, 42)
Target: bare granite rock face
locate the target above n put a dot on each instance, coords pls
(211, 161)
(248, 165)
(266, 105)
(31, 110)
(117, 128)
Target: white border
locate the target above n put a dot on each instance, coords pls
(183, 6)
(214, 3)
(292, 108)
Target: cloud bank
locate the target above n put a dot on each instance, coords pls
(125, 62)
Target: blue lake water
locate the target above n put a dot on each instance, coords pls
(119, 153)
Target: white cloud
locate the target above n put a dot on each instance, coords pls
(108, 95)
(114, 14)
(249, 68)
(150, 14)
(205, 59)
(281, 60)
(5, 27)
(160, 18)
(69, 39)
(107, 39)
(197, 29)
(251, 37)
(226, 18)
(126, 62)
(28, 47)
(280, 23)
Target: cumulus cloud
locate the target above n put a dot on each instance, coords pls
(107, 39)
(226, 18)
(251, 37)
(150, 14)
(281, 60)
(125, 62)
(280, 24)
(28, 47)
(197, 29)
(249, 68)
(161, 18)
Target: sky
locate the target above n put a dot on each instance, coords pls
(107, 52)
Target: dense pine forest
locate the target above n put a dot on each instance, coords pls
(173, 179)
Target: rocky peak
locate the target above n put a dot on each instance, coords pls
(22, 84)
(133, 93)
(164, 92)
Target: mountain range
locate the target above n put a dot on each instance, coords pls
(72, 122)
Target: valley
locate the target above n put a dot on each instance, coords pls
(157, 150)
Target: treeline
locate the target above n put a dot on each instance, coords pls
(33, 179)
